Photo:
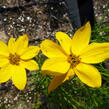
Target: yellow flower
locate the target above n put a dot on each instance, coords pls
(15, 58)
(73, 57)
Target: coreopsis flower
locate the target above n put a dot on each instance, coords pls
(73, 57)
(15, 58)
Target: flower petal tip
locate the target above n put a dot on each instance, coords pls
(58, 33)
(96, 84)
(25, 36)
(88, 25)
(99, 85)
(20, 87)
(50, 89)
(43, 43)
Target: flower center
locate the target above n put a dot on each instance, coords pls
(73, 60)
(14, 59)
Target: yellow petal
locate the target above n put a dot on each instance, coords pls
(21, 44)
(51, 49)
(57, 66)
(11, 45)
(70, 74)
(81, 38)
(18, 76)
(95, 53)
(5, 74)
(30, 52)
(65, 41)
(3, 49)
(89, 75)
(30, 65)
(3, 61)
(58, 80)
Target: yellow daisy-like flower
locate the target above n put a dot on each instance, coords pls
(73, 58)
(15, 58)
